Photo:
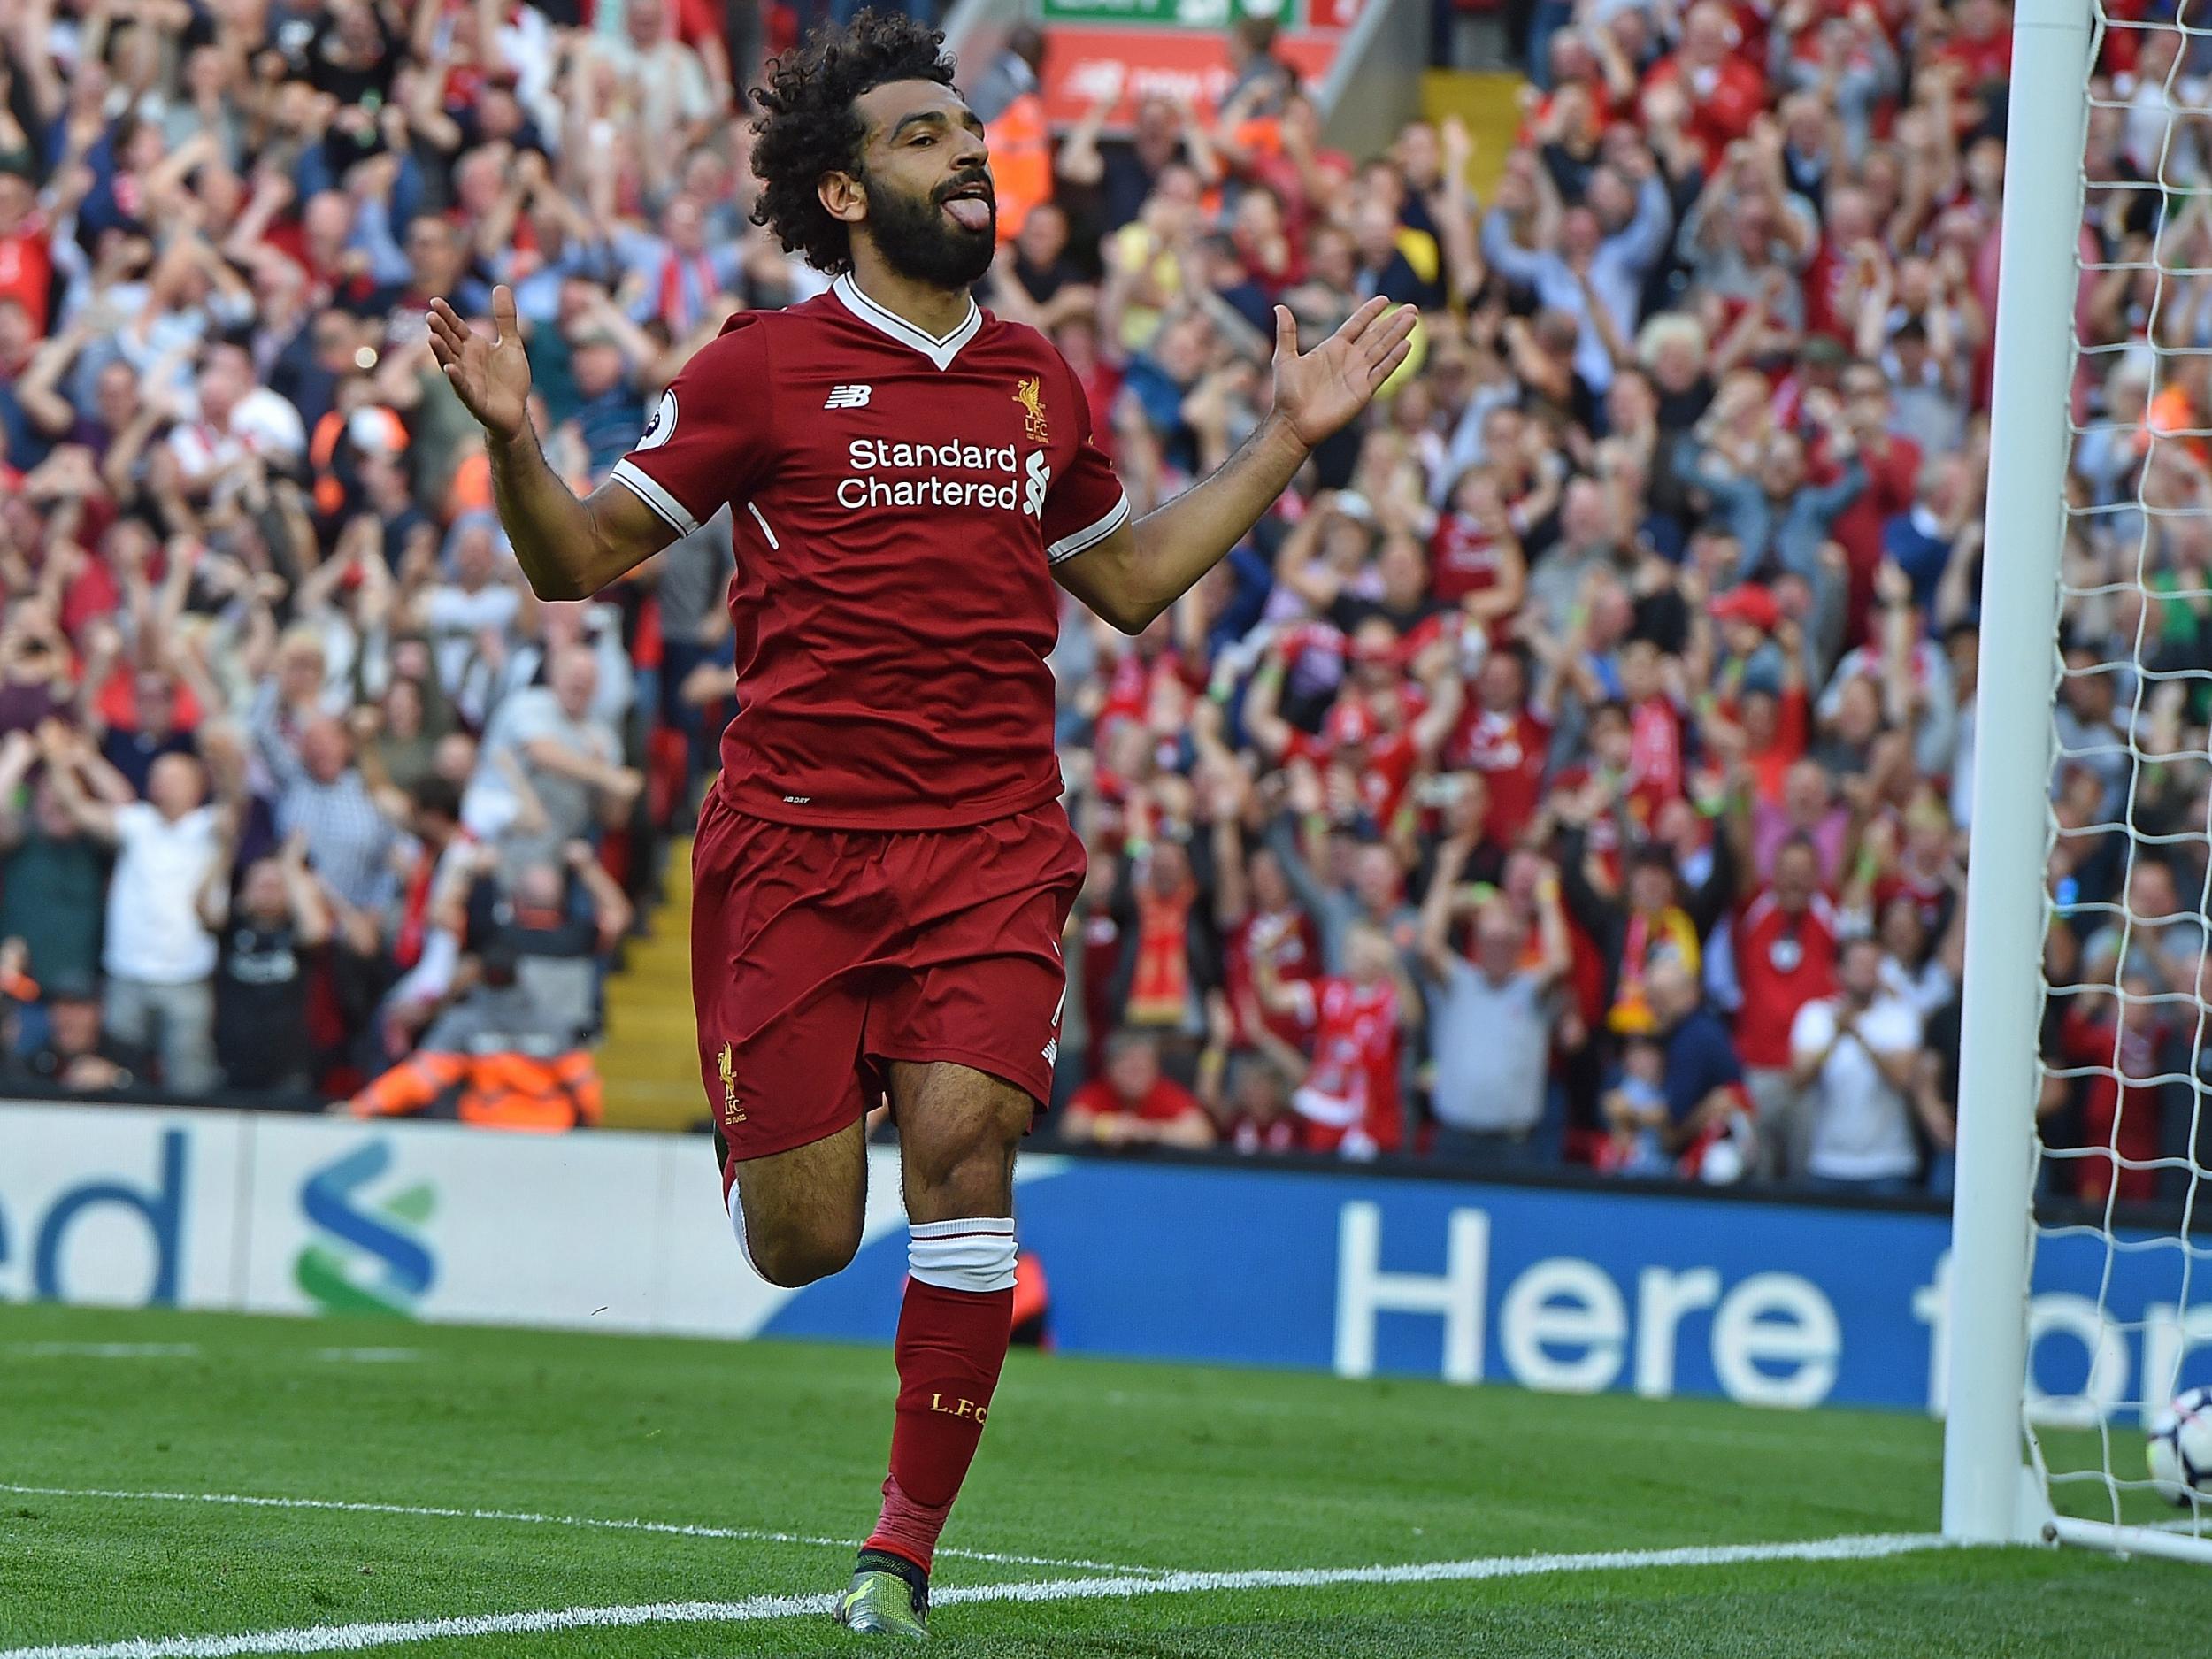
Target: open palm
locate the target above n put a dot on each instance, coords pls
(1321, 389)
(491, 376)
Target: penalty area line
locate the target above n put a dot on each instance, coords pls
(322, 1639)
(527, 1517)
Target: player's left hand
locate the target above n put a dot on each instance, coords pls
(1320, 390)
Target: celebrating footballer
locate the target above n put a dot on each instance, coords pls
(883, 867)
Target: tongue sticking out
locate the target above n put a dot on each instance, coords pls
(970, 212)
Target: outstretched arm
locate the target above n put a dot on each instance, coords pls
(1142, 568)
(568, 548)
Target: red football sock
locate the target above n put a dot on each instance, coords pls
(951, 1345)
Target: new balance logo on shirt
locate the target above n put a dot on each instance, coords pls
(853, 396)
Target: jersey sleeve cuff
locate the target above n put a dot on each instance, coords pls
(1090, 535)
(654, 495)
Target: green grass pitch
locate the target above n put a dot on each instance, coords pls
(1130, 1466)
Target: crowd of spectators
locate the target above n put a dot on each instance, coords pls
(1574, 767)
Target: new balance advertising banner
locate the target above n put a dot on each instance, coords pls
(1580, 1291)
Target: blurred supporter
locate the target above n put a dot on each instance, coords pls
(1133, 1102)
(322, 799)
(1489, 1020)
(1637, 1119)
(1249, 1097)
(265, 937)
(1169, 960)
(1349, 1098)
(158, 955)
(493, 1060)
(1706, 1125)
(1785, 953)
(53, 873)
(558, 921)
(1656, 567)
(550, 768)
(1857, 1055)
(79, 1054)
(1935, 1096)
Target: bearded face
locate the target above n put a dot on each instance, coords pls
(945, 237)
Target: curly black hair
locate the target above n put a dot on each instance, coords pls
(808, 126)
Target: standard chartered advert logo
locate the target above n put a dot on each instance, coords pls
(369, 1258)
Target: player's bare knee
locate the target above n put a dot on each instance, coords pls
(792, 1256)
(966, 1172)
(791, 1250)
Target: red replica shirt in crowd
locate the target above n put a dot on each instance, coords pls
(1135, 681)
(1353, 1083)
(1725, 100)
(1985, 59)
(1783, 961)
(1463, 558)
(1824, 283)
(898, 503)
(1162, 1103)
(1654, 754)
(27, 269)
(1929, 892)
(1102, 960)
(1893, 479)
(1293, 943)
(1382, 761)
(1509, 750)
(2120, 1105)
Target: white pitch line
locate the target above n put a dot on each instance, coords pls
(392, 1632)
(672, 1529)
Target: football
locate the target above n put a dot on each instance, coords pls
(2180, 1450)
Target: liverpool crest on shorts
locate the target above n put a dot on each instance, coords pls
(1029, 392)
(733, 1108)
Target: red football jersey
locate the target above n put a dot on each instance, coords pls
(1782, 962)
(1510, 750)
(1463, 558)
(1353, 1080)
(898, 503)
(1294, 943)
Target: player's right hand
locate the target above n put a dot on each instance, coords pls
(491, 377)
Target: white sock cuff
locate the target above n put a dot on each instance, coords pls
(973, 1254)
(737, 1226)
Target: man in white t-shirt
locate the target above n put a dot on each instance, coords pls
(1855, 1052)
(158, 956)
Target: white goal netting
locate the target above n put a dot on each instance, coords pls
(2126, 1141)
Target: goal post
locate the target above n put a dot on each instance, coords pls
(2019, 1465)
(1984, 1494)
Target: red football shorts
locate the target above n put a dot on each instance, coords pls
(819, 956)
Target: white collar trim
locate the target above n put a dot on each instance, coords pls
(940, 350)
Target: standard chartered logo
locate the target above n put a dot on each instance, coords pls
(949, 474)
(368, 1258)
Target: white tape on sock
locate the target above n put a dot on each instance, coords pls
(975, 1255)
(737, 1226)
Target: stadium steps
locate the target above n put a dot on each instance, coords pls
(650, 1062)
(1489, 102)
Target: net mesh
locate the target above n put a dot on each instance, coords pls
(2127, 1008)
